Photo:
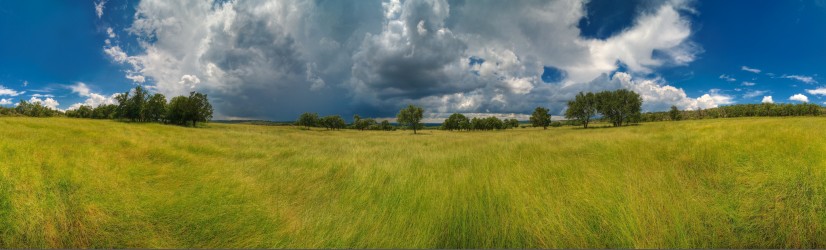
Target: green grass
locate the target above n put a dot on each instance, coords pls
(731, 183)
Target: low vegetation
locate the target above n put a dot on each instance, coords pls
(722, 183)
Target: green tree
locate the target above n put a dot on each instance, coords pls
(454, 121)
(308, 120)
(540, 118)
(675, 113)
(155, 110)
(619, 106)
(411, 117)
(582, 108)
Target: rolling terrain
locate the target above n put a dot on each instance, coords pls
(722, 183)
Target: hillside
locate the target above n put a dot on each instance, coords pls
(730, 183)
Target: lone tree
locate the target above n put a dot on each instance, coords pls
(675, 113)
(582, 108)
(155, 108)
(410, 117)
(540, 118)
(308, 120)
(619, 106)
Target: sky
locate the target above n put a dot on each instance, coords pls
(273, 60)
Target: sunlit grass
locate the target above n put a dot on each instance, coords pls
(733, 183)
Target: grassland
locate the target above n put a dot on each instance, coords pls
(709, 183)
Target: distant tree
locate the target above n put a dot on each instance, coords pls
(184, 110)
(619, 106)
(83, 111)
(200, 108)
(177, 110)
(385, 125)
(540, 118)
(333, 122)
(136, 104)
(582, 108)
(513, 123)
(122, 110)
(155, 110)
(675, 113)
(308, 120)
(411, 117)
(454, 121)
(105, 111)
(362, 124)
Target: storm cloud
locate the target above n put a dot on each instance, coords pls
(276, 59)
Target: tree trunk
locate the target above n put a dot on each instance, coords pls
(193, 123)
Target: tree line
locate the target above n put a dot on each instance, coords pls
(460, 122)
(141, 106)
(31, 109)
(737, 110)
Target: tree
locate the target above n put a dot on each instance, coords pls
(675, 113)
(155, 110)
(308, 120)
(136, 105)
(453, 122)
(385, 125)
(333, 122)
(513, 123)
(410, 117)
(619, 106)
(362, 124)
(540, 118)
(200, 108)
(196, 108)
(582, 108)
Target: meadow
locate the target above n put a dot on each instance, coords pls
(724, 183)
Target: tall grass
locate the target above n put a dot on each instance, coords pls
(730, 183)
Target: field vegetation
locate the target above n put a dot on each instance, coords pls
(723, 183)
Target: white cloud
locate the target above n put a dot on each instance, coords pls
(799, 98)
(817, 91)
(5, 101)
(752, 70)
(110, 32)
(747, 83)
(25, 83)
(767, 99)
(136, 78)
(43, 95)
(804, 79)
(754, 93)
(92, 99)
(189, 81)
(99, 8)
(48, 102)
(727, 78)
(116, 54)
(9, 92)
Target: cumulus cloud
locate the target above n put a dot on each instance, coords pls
(99, 8)
(110, 32)
(92, 99)
(817, 91)
(747, 83)
(48, 102)
(767, 99)
(752, 70)
(25, 83)
(5, 101)
(799, 98)
(804, 79)
(372, 57)
(728, 78)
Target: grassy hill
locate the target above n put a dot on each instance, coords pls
(729, 183)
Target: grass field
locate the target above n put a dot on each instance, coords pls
(730, 183)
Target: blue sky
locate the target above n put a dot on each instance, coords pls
(274, 60)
